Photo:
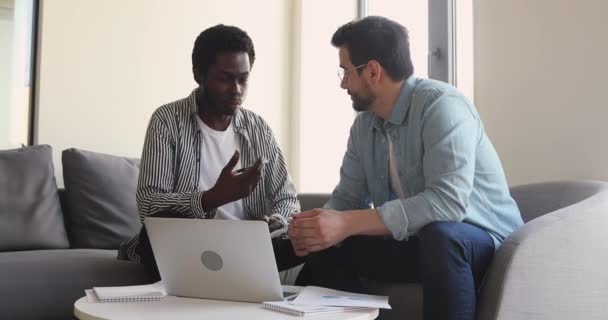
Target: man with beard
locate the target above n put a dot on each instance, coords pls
(205, 157)
(422, 195)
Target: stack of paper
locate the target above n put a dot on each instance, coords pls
(317, 296)
(288, 307)
(315, 300)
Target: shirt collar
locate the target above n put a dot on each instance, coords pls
(401, 106)
(238, 116)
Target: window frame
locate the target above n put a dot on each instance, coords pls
(442, 38)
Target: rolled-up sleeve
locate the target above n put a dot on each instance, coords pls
(156, 177)
(283, 196)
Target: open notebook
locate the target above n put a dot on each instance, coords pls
(287, 307)
(148, 292)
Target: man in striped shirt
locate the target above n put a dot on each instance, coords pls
(205, 157)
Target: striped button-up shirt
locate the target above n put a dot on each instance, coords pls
(171, 162)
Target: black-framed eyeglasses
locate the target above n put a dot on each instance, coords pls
(343, 73)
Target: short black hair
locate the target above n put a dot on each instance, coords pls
(219, 38)
(380, 39)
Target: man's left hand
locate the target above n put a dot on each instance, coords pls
(316, 230)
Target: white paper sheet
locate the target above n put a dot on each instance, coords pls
(317, 296)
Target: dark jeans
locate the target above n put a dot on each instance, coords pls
(449, 260)
(283, 251)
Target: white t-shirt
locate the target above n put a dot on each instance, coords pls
(216, 150)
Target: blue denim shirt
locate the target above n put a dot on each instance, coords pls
(446, 163)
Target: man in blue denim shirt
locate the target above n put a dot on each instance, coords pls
(418, 153)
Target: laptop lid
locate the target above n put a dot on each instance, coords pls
(215, 259)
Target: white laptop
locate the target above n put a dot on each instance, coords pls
(215, 259)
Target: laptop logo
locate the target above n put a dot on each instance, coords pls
(211, 260)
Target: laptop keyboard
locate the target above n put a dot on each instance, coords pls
(289, 295)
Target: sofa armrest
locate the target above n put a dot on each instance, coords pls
(537, 199)
(554, 267)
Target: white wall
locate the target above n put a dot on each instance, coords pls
(541, 69)
(106, 65)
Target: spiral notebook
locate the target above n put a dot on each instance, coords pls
(301, 311)
(149, 292)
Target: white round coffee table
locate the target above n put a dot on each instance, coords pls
(187, 308)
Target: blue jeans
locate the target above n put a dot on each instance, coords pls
(449, 259)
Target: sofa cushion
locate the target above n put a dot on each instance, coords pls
(30, 212)
(101, 210)
(44, 284)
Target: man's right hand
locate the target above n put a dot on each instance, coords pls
(231, 186)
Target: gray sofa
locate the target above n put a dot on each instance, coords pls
(54, 244)
(552, 268)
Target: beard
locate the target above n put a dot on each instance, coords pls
(362, 101)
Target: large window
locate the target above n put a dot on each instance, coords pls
(414, 15)
(297, 89)
(16, 43)
(464, 53)
(441, 37)
(323, 112)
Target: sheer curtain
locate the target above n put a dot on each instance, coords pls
(16, 43)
